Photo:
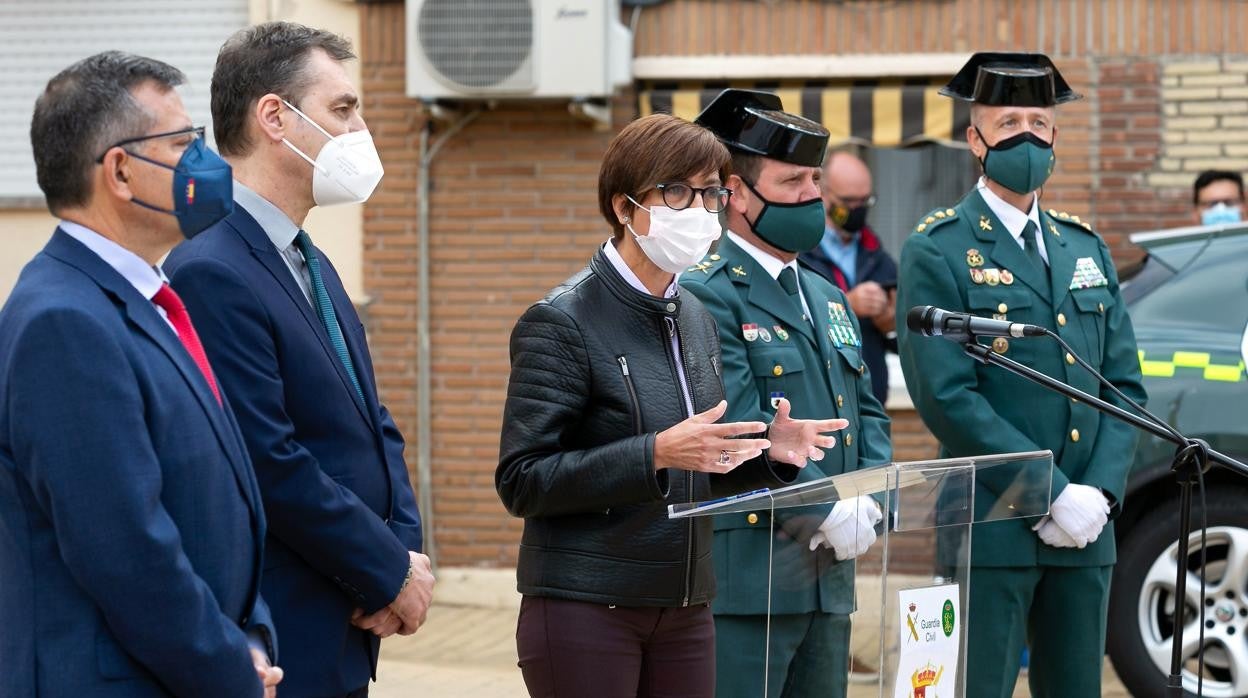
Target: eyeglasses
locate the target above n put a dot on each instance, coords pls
(1229, 203)
(678, 196)
(866, 201)
(196, 131)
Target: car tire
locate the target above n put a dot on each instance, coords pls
(1141, 600)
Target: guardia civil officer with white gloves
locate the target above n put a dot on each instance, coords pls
(997, 252)
(790, 345)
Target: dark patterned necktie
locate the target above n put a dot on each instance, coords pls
(324, 308)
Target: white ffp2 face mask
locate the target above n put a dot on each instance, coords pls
(677, 239)
(347, 169)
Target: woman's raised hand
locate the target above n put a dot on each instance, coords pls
(698, 443)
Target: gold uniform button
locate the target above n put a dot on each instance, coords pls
(1000, 345)
(778, 370)
(1074, 434)
(752, 518)
(840, 400)
(1061, 319)
(715, 258)
(1070, 359)
(1100, 307)
(862, 369)
(849, 439)
(1002, 308)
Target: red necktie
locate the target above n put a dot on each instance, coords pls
(181, 321)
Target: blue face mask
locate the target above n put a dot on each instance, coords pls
(1219, 214)
(203, 188)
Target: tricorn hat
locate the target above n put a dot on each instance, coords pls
(1010, 79)
(755, 122)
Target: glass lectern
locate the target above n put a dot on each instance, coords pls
(908, 592)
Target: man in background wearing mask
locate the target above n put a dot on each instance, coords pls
(996, 253)
(850, 256)
(1218, 197)
(131, 529)
(343, 566)
(785, 332)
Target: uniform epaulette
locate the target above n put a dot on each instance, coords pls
(708, 264)
(1069, 220)
(934, 219)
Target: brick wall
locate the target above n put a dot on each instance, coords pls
(514, 212)
(1059, 28)
(514, 208)
(1205, 120)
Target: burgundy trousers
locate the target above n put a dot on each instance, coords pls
(574, 649)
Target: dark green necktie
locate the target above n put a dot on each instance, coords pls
(324, 308)
(1032, 248)
(788, 280)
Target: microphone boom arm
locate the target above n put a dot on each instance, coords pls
(1190, 463)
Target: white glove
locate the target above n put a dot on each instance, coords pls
(850, 528)
(1054, 535)
(1082, 512)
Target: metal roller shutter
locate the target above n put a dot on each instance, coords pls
(40, 38)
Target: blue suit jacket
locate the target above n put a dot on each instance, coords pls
(341, 511)
(130, 520)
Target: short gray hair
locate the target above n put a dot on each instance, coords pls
(83, 111)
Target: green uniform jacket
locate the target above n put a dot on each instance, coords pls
(821, 381)
(958, 260)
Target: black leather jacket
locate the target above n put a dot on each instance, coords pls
(593, 380)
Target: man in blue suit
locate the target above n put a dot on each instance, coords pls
(131, 528)
(343, 564)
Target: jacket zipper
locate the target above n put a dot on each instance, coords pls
(632, 393)
(673, 330)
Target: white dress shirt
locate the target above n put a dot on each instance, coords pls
(1013, 219)
(145, 278)
(281, 231)
(773, 267)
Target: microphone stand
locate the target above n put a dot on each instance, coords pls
(1191, 461)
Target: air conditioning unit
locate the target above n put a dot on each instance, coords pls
(495, 49)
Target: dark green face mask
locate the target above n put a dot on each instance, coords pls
(791, 227)
(1020, 163)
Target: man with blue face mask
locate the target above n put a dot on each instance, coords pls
(1218, 197)
(343, 564)
(785, 333)
(1043, 582)
(131, 528)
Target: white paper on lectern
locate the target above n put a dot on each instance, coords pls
(931, 630)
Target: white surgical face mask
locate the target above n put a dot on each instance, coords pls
(1219, 213)
(677, 239)
(347, 169)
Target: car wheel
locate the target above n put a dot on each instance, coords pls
(1141, 606)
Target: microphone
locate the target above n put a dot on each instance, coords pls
(931, 321)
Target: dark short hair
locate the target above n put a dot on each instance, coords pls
(83, 111)
(1208, 177)
(256, 61)
(747, 166)
(655, 149)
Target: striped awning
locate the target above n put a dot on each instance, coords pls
(885, 115)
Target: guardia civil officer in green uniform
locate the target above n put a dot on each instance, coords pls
(999, 253)
(789, 343)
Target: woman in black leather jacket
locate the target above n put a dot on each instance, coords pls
(611, 415)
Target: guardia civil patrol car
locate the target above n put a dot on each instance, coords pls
(1188, 300)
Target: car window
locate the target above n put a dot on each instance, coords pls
(1210, 292)
(1141, 277)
